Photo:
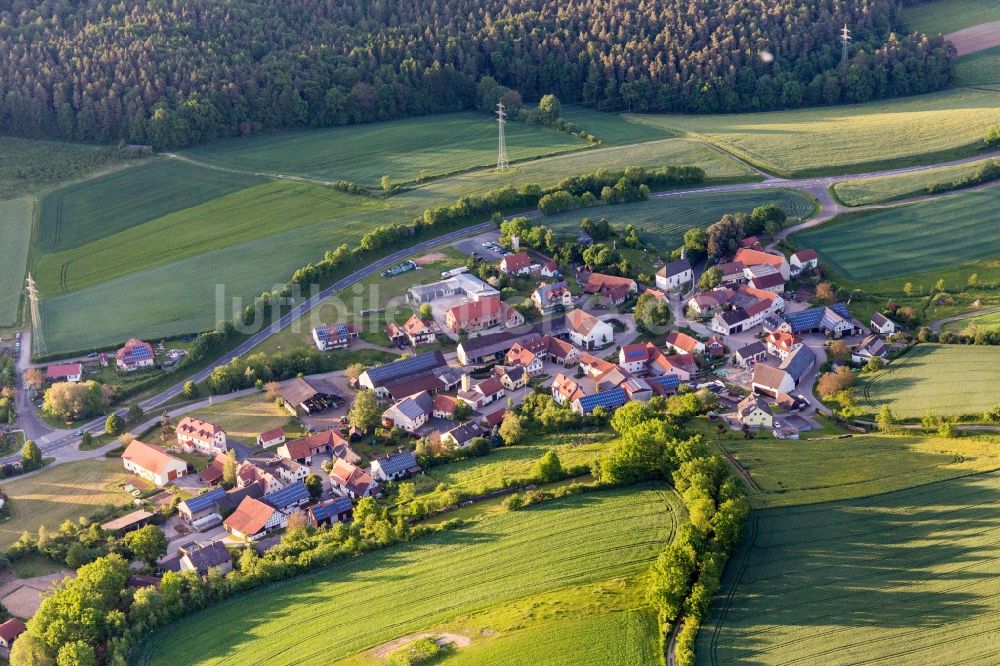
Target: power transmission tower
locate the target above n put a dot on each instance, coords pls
(845, 38)
(502, 164)
(37, 341)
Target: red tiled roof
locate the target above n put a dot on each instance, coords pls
(353, 478)
(416, 326)
(63, 370)
(484, 308)
(490, 386)
(494, 419)
(750, 257)
(805, 255)
(198, 429)
(515, 262)
(315, 443)
(581, 321)
(11, 629)
(249, 518)
(444, 403)
(598, 282)
(277, 433)
(682, 341)
(149, 456)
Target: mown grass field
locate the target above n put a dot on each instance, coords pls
(558, 545)
(15, 243)
(808, 471)
(29, 165)
(867, 191)
(663, 221)
(902, 578)
(943, 379)
(613, 128)
(955, 229)
(944, 16)
(980, 68)
(58, 493)
(245, 418)
(983, 322)
(405, 150)
(98, 208)
(849, 139)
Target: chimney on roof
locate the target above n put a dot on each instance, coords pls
(466, 383)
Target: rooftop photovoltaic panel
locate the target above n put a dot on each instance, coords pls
(205, 501)
(331, 508)
(612, 399)
(398, 463)
(666, 381)
(407, 366)
(292, 494)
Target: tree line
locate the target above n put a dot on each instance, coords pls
(185, 72)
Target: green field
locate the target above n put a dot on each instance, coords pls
(867, 191)
(979, 68)
(808, 471)
(62, 492)
(613, 128)
(95, 209)
(405, 150)
(904, 578)
(944, 379)
(850, 139)
(950, 231)
(15, 243)
(245, 418)
(663, 221)
(489, 564)
(944, 16)
(988, 321)
(30, 165)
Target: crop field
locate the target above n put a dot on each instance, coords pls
(944, 16)
(405, 150)
(558, 545)
(980, 68)
(95, 209)
(613, 128)
(950, 231)
(904, 578)
(943, 379)
(824, 470)
(15, 243)
(663, 221)
(849, 139)
(241, 217)
(867, 191)
(30, 165)
(58, 493)
(983, 322)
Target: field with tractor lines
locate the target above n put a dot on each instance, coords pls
(956, 229)
(945, 16)
(867, 191)
(946, 380)
(904, 578)
(559, 545)
(983, 322)
(15, 243)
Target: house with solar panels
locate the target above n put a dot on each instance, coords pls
(835, 321)
(393, 466)
(410, 413)
(609, 400)
(288, 498)
(336, 510)
(334, 336)
(377, 379)
(135, 355)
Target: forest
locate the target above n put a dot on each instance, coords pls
(173, 73)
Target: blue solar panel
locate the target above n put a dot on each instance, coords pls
(612, 399)
(138, 353)
(202, 502)
(331, 508)
(287, 496)
(407, 366)
(805, 320)
(666, 381)
(397, 463)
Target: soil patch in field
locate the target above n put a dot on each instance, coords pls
(976, 38)
(457, 640)
(23, 596)
(430, 257)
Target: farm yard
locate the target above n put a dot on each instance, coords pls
(829, 469)
(15, 243)
(62, 492)
(663, 221)
(849, 139)
(955, 229)
(947, 380)
(406, 150)
(561, 545)
(868, 191)
(905, 577)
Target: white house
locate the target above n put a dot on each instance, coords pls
(64, 372)
(201, 436)
(518, 263)
(153, 463)
(802, 261)
(880, 324)
(334, 336)
(674, 275)
(682, 343)
(870, 347)
(348, 480)
(135, 355)
(754, 412)
(409, 413)
(752, 257)
(393, 466)
(271, 438)
(587, 331)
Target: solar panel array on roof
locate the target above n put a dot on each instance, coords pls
(612, 399)
(296, 493)
(666, 381)
(332, 508)
(138, 353)
(407, 366)
(205, 501)
(633, 354)
(398, 462)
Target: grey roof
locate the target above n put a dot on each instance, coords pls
(874, 346)
(675, 268)
(208, 556)
(733, 317)
(880, 319)
(753, 349)
(416, 405)
(301, 389)
(465, 432)
(384, 374)
(751, 402)
(236, 495)
(798, 362)
(394, 463)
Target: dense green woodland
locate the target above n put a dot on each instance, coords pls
(178, 72)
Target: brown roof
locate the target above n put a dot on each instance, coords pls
(598, 282)
(750, 257)
(767, 376)
(581, 321)
(300, 390)
(516, 262)
(494, 419)
(767, 281)
(11, 629)
(149, 456)
(277, 433)
(198, 429)
(213, 472)
(445, 403)
(350, 476)
(682, 341)
(127, 520)
(489, 386)
(249, 518)
(805, 255)
(316, 443)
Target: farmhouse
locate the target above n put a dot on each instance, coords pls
(770, 380)
(751, 257)
(252, 519)
(201, 436)
(614, 288)
(351, 481)
(522, 357)
(271, 438)
(798, 362)
(682, 343)
(882, 324)
(462, 284)
(410, 413)
(376, 379)
(336, 510)
(135, 355)
(835, 321)
(289, 498)
(215, 502)
(481, 394)
(544, 348)
(461, 435)
(674, 275)
(550, 269)
(259, 472)
(202, 558)
(419, 331)
(803, 261)
(748, 307)
(153, 463)
(334, 336)
(547, 298)
(750, 354)
(634, 357)
(480, 314)
(715, 347)
(708, 301)
(486, 348)
(304, 396)
(587, 331)
(444, 407)
(770, 282)
(518, 263)
(393, 466)
(754, 412)
(870, 347)
(732, 273)
(64, 372)
(303, 450)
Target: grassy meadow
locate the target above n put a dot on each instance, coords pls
(28, 166)
(15, 243)
(979, 68)
(614, 128)
(944, 16)
(663, 221)
(405, 150)
(852, 138)
(489, 564)
(901, 578)
(245, 418)
(808, 471)
(952, 230)
(867, 191)
(988, 321)
(62, 492)
(947, 380)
